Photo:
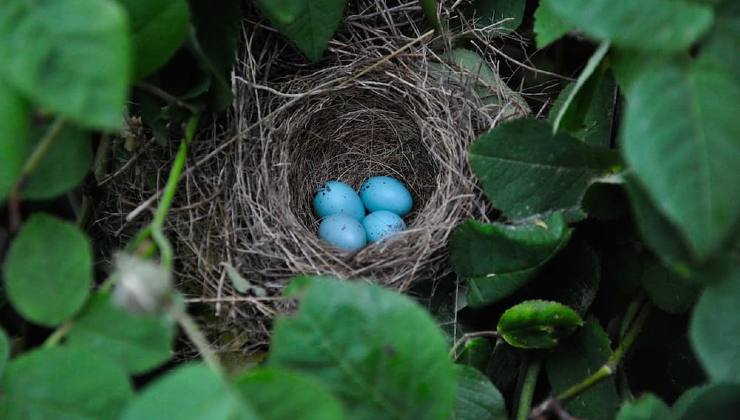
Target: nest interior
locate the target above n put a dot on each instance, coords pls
(383, 101)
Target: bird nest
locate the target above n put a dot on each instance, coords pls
(386, 100)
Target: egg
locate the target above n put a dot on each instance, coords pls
(386, 193)
(382, 224)
(343, 232)
(335, 197)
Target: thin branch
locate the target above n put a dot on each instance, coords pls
(608, 369)
(37, 155)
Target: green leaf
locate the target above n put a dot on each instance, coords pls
(64, 166)
(658, 233)
(669, 291)
(548, 25)
(217, 29)
(657, 25)
(189, 392)
(137, 343)
(310, 24)
(714, 401)
(537, 324)
(354, 338)
(525, 170)
(475, 352)
(722, 40)
(647, 407)
(282, 395)
(4, 350)
(476, 397)
(489, 12)
(683, 163)
(498, 259)
(429, 7)
(158, 27)
(579, 357)
(470, 69)
(593, 63)
(571, 278)
(15, 119)
(62, 383)
(69, 56)
(589, 116)
(714, 325)
(48, 270)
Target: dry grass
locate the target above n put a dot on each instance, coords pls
(383, 101)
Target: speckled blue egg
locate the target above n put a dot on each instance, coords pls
(336, 197)
(343, 232)
(386, 193)
(382, 224)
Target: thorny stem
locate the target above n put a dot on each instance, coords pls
(528, 386)
(608, 369)
(38, 153)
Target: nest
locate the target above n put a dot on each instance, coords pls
(384, 101)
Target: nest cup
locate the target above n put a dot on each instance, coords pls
(381, 102)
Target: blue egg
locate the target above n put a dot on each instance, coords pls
(382, 224)
(343, 232)
(386, 193)
(336, 197)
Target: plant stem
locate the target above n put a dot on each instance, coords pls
(528, 386)
(196, 336)
(58, 334)
(466, 337)
(174, 177)
(610, 367)
(38, 153)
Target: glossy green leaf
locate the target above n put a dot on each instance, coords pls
(489, 12)
(537, 324)
(714, 326)
(68, 56)
(48, 270)
(310, 24)
(498, 259)
(476, 397)
(189, 392)
(63, 383)
(525, 170)
(137, 343)
(548, 25)
(4, 350)
(683, 162)
(715, 401)
(355, 338)
(656, 25)
(158, 27)
(15, 120)
(63, 167)
(577, 358)
(647, 407)
(282, 395)
(668, 291)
